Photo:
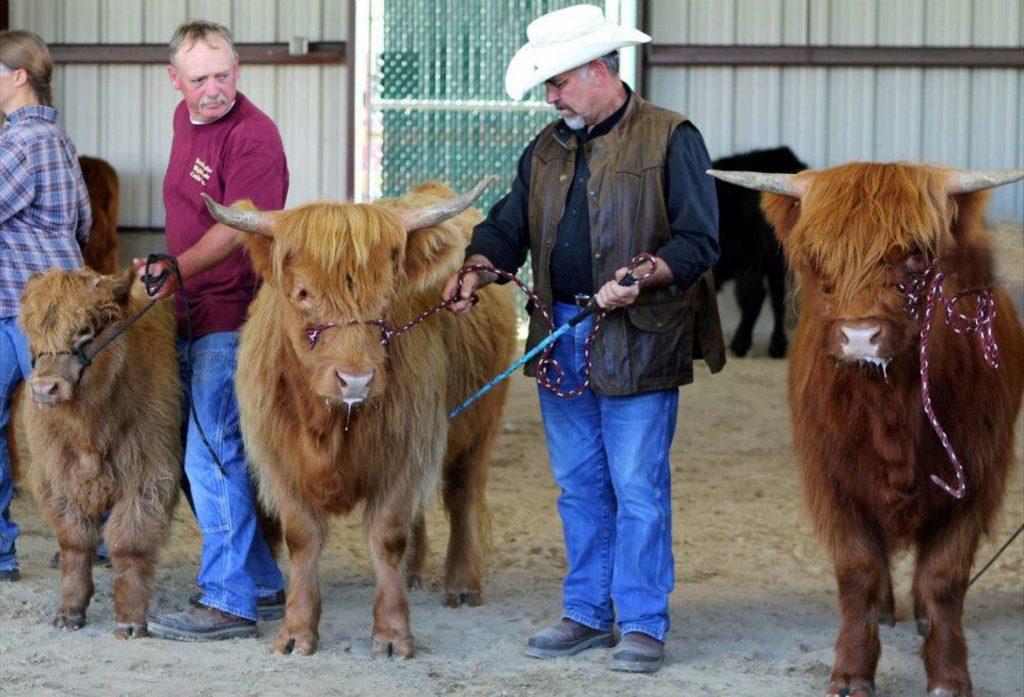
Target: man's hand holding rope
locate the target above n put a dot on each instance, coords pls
(472, 281)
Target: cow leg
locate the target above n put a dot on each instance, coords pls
(77, 535)
(887, 602)
(778, 343)
(940, 583)
(134, 532)
(389, 531)
(418, 548)
(465, 500)
(861, 570)
(304, 533)
(750, 296)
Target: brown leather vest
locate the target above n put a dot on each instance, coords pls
(651, 344)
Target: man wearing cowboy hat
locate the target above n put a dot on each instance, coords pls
(613, 177)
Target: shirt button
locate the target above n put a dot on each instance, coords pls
(563, 177)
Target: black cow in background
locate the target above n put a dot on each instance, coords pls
(750, 252)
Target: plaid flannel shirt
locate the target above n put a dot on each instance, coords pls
(44, 205)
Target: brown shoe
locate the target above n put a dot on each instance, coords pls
(566, 638)
(201, 623)
(638, 653)
(268, 607)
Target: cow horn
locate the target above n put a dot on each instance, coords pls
(259, 222)
(783, 184)
(963, 181)
(426, 217)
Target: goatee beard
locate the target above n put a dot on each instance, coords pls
(574, 122)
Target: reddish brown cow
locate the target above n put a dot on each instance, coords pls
(331, 416)
(100, 253)
(104, 431)
(866, 242)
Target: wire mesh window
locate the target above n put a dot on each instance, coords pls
(439, 93)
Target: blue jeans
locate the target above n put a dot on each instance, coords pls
(15, 365)
(236, 565)
(609, 456)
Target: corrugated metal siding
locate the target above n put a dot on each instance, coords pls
(122, 113)
(965, 118)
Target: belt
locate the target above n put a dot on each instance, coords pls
(579, 300)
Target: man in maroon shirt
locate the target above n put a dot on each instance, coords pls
(226, 147)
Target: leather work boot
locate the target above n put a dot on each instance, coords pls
(268, 607)
(566, 638)
(638, 653)
(201, 623)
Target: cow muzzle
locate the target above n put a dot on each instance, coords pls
(48, 391)
(862, 341)
(353, 386)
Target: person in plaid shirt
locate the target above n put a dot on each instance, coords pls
(44, 222)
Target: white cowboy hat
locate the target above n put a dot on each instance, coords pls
(562, 40)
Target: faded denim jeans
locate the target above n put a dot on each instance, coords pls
(609, 456)
(236, 565)
(15, 365)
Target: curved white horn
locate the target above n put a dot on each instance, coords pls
(259, 222)
(963, 181)
(426, 217)
(762, 181)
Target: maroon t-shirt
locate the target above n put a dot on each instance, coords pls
(239, 156)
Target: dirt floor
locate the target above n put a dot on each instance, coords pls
(754, 609)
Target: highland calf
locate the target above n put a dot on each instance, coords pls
(339, 406)
(103, 432)
(880, 253)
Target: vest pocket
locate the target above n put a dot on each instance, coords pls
(659, 342)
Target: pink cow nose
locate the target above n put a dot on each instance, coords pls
(354, 387)
(860, 340)
(44, 391)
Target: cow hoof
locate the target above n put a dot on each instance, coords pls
(290, 644)
(860, 688)
(777, 350)
(470, 598)
(924, 626)
(887, 619)
(129, 630)
(402, 648)
(69, 622)
(944, 692)
(414, 582)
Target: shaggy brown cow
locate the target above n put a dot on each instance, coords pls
(336, 410)
(869, 244)
(100, 178)
(105, 433)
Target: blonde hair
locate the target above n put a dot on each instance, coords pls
(26, 51)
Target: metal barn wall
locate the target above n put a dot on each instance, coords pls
(122, 113)
(961, 117)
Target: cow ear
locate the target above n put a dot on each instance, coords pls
(971, 254)
(434, 254)
(121, 285)
(783, 212)
(260, 249)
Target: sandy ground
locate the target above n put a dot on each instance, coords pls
(754, 609)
